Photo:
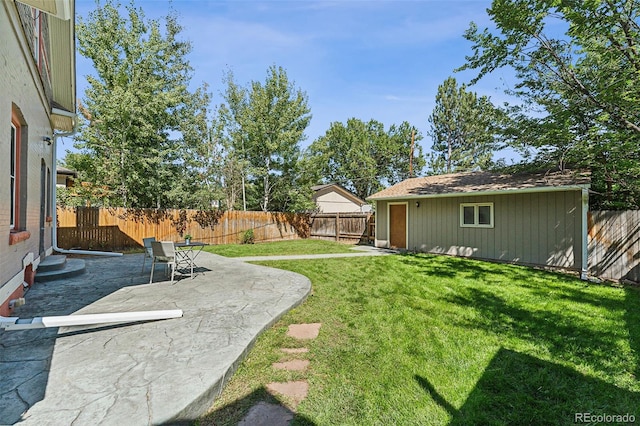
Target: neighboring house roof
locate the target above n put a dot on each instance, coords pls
(323, 189)
(64, 171)
(480, 183)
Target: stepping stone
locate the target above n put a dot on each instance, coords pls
(304, 331)
(295, 350)
(294, 365)
(297, 390)
(265, 414)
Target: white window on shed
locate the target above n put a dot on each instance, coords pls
(476, 215)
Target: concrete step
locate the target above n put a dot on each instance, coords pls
(72, 267)
(52, 263)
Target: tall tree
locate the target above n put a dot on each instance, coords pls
(265, 124)
(463, 130)
(141, 122)
(582, 79)
(363, 157)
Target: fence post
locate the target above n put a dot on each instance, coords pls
(338, 227)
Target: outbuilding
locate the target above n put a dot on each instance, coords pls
(334, 198)
(532, 218)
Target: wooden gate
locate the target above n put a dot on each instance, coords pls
(344, 227)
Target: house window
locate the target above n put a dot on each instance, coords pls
(17, 171)
(13, 177)
(39, 44)
(476, 215)
(37, 35)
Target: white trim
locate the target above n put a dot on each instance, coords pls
(375, 217)
(7, 289)
(406, 223)
(63, 113)
(476, 215)
(585, 235)
(11, 286)
(491, 192)
(13, 178)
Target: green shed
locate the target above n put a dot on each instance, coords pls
(532, 218)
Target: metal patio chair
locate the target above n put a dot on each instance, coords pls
(148, 254)
(163, 252)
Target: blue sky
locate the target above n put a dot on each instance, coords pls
(365, 59)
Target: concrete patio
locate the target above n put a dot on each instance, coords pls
(157, 372)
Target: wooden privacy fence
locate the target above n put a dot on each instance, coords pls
(345, 227)
(120, 228)
(614, 244)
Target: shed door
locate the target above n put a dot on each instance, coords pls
(398, 226)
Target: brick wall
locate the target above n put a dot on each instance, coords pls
(21, 86)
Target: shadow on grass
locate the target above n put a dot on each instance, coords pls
(632, 319)
(446, 266)
(520, 389)
(574, 335)
(240, 409)
(564, 335)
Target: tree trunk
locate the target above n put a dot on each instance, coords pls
(265, 198)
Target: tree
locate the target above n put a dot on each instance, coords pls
(463, 130)
(363, 157)
(583, 81)
(265, 124)
(141, 125)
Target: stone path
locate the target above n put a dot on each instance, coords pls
(267, 414)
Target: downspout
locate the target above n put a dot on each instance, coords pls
(585, 235)
(54, 236)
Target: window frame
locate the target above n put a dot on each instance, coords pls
(14, 176)
(476, 215)
(37, 34)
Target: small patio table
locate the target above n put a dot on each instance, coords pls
(186, 253)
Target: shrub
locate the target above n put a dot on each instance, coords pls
(248, 237)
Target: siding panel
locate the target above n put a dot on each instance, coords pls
(539, 228)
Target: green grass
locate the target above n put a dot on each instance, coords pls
(432, 340)
(276, 248)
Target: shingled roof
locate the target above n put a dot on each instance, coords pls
(478, 183)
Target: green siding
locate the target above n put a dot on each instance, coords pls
(530, 228)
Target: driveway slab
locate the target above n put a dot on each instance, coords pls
(166, 371)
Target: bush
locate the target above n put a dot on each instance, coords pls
(248, 237)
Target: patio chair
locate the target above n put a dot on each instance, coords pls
(148, 254)
(163, 252)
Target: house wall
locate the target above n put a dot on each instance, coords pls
(20, 85)
(532, 228)
(333, 202)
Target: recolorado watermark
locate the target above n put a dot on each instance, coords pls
(604, 418)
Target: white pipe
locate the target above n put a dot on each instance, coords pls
(13, 323)
(584, 270)
(54, 236)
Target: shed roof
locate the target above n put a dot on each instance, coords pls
(481, 183)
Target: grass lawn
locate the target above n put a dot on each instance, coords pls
(275, 248)
(432, 340)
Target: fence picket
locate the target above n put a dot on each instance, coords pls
(614, 244)
(120, 228)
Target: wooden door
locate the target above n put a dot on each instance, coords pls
(398, 226)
